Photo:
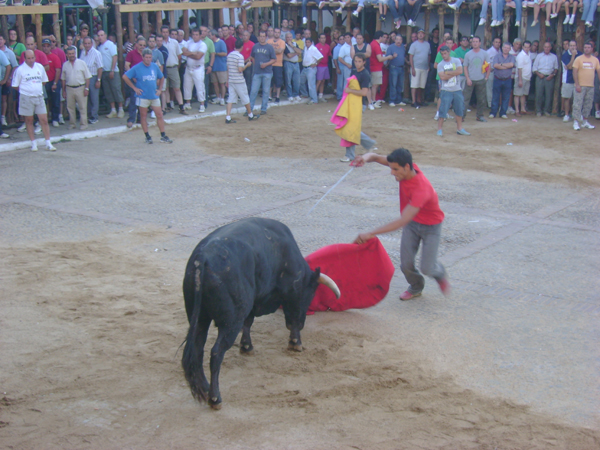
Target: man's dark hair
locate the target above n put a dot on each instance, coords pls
(378, 34)
(262, 32)
(322, 34)
(361, 56)
(308, 39)
(239, 43)
(164, 27)
(402, 157)
(348, 34)
(444, 48)
(527, 42)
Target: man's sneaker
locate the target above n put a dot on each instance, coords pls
(183, 112)
(345, 159)
(112, 115)
(406, 295)
(588, 125)
(310, 102)
(34, 146)
(201, 109)
(230, 121)
(322, 100)
(453, 6)
(321, 4)
(576, 125)
(4, 124)
(166, 140)
(121, 113)
(37, 129)
(187, 106)
(4, 136)
(463, 132)
(481, 22)
(437, 115)
(371, 107)
(148, 140)
(392, 104)
(448, 116)
(214, 101)
(254, 117)
(510, 110)
(444, 286)
(354, 13)
(222, 102)
(547, 23)
(440, 133)
(402, 104)
(491, 116)
(50, 148)
(411, 23)
(504, 116)
(376, 105)
(566, 118)
(305, 20)
(22, 128)
(597, 115)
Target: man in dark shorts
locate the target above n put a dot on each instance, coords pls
(420, 217)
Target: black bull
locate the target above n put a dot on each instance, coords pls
(238, 272)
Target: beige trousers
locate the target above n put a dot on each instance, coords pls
(75, 96)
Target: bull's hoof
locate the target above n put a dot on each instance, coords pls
(295, 347)
(216, 404)
(247, 350)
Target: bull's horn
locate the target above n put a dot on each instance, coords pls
(324, 279)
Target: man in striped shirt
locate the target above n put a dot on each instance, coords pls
(236, 81)
(93, 59)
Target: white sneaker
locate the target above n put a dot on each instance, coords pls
(437, 115)
(4, 124)
(153, 115)
(22, 128)
(321, 4)
(55, 123)
(392, 104)
(305, 20)
(572, 19)
(453, 6)
(186, 106)
(402, 104)
(354, 13)
(517, 24)
(534, 23)
(566, 118)
(411, 23)
(588, 24)
(481, 22)
(597, 115)
(588, 125)
(553, 15)
(121, 113)
(499, 22)
(50, 148)
(449, 117)
(576, 125)
(4, 136)
(510, 110)
(61, 119)
(222, 102)
(547, 23)
(376, 105)
(371, 107)
(34, 146)
(566, 21)
(201, 109)
(494, 23)
(37, 129)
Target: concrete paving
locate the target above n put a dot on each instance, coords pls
(523, 256)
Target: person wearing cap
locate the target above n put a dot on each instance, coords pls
(419, 67)
(449, 69)
(53, 86)
(76, 87)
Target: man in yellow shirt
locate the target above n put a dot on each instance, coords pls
(584, 68)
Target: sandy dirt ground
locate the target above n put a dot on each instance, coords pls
(91, 329)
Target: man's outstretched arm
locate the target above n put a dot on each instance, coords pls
(408, 214)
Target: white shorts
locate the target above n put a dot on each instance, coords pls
(28, 105)
(238, 90)
(146, 103)
(419, 80)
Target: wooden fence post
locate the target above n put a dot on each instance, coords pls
(524, 25)
(427, 16)
(455, 26)
(506, 26)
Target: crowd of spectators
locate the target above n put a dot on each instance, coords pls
(508, 78)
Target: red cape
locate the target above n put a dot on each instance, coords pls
(362, 272)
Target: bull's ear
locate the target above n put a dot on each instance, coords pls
(317, 273)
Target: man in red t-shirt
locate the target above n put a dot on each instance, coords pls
(228, 39)
(132, 59)
(323, 65)
(40, 57)
(420, 217)
(377, 60)
(246, 52)
(53, 86)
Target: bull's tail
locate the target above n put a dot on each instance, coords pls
(193, 352)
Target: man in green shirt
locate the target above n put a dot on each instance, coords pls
(460, 53)
(209, 60)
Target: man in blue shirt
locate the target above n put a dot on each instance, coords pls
(263, 57)
(396, 66)
(148, 86)
(218, 75)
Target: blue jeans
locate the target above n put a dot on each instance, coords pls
(412, 12)
(397, 13)
(396, 84)
(501, 89)
(484, 9)
(498, 9)
(365, 141)
(589, 8)
(54, 99)
(93, 99)
(304, 3)
(261, 80)
(309, 75)
(292, 78)
(341, 80)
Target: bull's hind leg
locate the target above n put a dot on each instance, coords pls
(193, 358)
(225, 340)
(246, 347)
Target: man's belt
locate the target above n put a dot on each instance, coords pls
(76, 86)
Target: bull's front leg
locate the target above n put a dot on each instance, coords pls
(295, 343)
(246, 347)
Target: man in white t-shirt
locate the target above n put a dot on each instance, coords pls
(194, 51)
(29, 80)
(522, 79)
(237, 83)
